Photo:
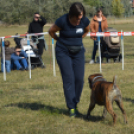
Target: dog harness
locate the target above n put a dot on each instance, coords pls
(96, 80)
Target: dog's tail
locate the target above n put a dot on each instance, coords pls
(114, 82)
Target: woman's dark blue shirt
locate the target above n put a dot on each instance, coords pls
(69, 34)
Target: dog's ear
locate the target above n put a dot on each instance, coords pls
(114, 82)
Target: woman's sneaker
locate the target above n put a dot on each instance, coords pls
(91, 62)
(72, 113)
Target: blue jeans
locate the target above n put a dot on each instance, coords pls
(7, 65)
(72, 71)
(22, 63)
(95, 49)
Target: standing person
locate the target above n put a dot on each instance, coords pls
(36, 26)
(72, 26)
(98, 24)
(8, 52)
(19, 59)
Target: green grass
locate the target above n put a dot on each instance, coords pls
(122, 20)
(37, 106)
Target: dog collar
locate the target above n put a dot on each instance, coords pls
(96, 78)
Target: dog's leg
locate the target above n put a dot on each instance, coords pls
(110, 110)
(91, 107)
(120, 104)
(104, 113)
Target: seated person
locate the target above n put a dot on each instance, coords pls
(8, 52)
(19, 59)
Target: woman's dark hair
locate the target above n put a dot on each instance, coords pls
(76, 9)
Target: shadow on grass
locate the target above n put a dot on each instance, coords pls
(39, 107)
(32, 106)
(46, 109)
(128, 99)
(94, 118)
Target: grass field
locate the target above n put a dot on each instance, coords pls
(113, 20)
(37, 106)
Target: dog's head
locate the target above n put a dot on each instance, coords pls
(92, 77)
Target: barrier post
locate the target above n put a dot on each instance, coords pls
(53, 55)
(29, 61)
(3, 56)
(122, 47)
(50, 52)
(99, 52)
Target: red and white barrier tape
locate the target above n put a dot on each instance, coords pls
(23, 35)
(98, 34)
(101, 34)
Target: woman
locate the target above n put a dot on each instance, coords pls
(70, 52)
(98, 24)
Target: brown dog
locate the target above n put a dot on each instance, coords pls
(105, 93)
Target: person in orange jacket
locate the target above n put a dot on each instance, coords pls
(98, 24)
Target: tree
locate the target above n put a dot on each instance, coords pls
(104, 4)
(56, 8)
(21, 11)
(117, 8)
(93, 3)
(128, 9)
(107, 7)
(17, 11)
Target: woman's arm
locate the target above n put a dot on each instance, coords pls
(52, 31)
(15, 57)
(86, 30)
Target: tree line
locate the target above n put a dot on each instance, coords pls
(21, 11)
